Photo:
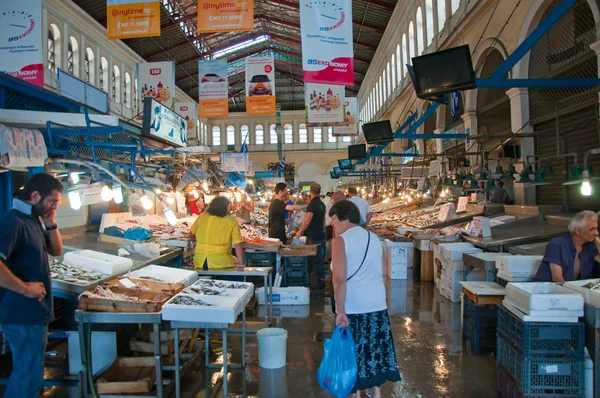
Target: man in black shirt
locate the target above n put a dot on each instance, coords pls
(277, 210)
(314, 230)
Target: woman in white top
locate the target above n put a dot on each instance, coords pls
(359, 288)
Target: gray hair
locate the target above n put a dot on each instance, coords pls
(578, 220)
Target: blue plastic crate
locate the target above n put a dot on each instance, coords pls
(566, 340)
(542, 376)
(479, 326)
(261, 259)
(507, 388)
(296, 278)
(295, 262)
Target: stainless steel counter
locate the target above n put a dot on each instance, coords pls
(534, 249)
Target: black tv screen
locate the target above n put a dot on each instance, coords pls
(444, 72)
(378, 132)
(333, 175)
(337, 170)
(345, 164)
(357, 152)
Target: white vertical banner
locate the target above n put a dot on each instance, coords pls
(324, 103)
(157, 80)
(21, 40)
(350, 126)
(326, 32)
(188, 111)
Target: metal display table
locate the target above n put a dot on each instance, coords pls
(534, 249)
(592, 339)
(483, 261)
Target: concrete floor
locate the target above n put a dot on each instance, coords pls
(432, 357)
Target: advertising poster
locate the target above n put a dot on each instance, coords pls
(260, 86)
(324, 103)
(189, 111)
(161, 122)
(350, 126)
(157, 81)
(213, 88)
(126, 19)
(21, 40)
(234, 162)
(326, 30)
(225, 16)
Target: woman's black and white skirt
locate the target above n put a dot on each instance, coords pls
(375, 351)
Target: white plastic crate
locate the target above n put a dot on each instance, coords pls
(167, 274)
(223, 309)
(514, 278)
(453, 265)
(541, 296)
(530, 318)
(545, 313)
(455, 253)
(518, 264)
(295, 295)
(96, 261)
(589, 296)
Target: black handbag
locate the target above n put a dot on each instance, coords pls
(352, 276)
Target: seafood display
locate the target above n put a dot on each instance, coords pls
(259, 217)
(148, 278)
(204, 290)
(167, 232)
(253, 231)
(73, 274)
(188, 300)
(220, 284)
(105, 293)
(592, 285)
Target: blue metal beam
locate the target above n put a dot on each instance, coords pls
(527, 44)
(536, 83)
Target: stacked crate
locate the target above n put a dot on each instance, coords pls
(539, 358)
(258, 259)
(450, 255)
(295, 271)
(480, 314)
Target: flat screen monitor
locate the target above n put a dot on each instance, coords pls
(337, 170)
(357, 152)
(345, 164)
(378, 132)
(333, 175)
(444, 72)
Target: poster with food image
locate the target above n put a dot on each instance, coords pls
(260, 86)
(350, 125)
(188, 111)
(157, 81)
(213, 88)
(324, 103)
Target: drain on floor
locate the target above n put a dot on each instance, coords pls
(321, 336)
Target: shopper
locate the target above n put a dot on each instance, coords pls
(243, 207)
(363, 206)
(214, 233)
(359, 289)
(288, 201)
(303, 199)
(277, 210)
(499, 195)
(28, 233)
(313, 228)
(195, 202)
(573, 256)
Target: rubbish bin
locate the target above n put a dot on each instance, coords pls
(272, 348)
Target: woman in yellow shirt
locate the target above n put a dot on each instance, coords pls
(214, 232)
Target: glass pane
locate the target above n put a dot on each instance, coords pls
(317, 135)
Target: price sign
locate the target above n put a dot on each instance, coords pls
(447, 212)
(474, 228)
(90, 194)
(480, 226)
(421, 185)
(462, 204)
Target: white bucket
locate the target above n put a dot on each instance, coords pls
(272, 349)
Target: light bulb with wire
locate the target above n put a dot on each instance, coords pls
(106, 193)
(170, 216)
(170, 200)
(443, 194)
(146, 202)
(586, 188)
(205, 186)
(74, 177)
(117, 194)
(74, 199)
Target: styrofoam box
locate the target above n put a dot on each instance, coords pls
(540, 296)
(399, 252)
(544, 313)
(589, 296)
(244, 294)
(398, 270)
(514, 278)
(295, 295)
(519, 264)
(456, 253)
(167, 274)
(96, 261)
(475, 275)
(223, 310)
(530, 318)
(453, 265)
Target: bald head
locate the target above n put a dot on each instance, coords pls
(338, 196)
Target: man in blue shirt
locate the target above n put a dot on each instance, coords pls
(28, 233)
(574, 256)
(313, 228)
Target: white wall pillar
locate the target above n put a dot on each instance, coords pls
(438, 141)
(470, 121)
(519, 112)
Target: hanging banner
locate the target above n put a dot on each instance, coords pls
(324, 103)
(157, 81)
(350, 127)
(21, 40)
(326, 30)
(213, 88)
(126, 19)
(234, 162)
(188, 111)
(225, 16)
(260, 86)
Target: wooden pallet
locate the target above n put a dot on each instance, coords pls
(299, 251)
(153, 302)
(170, 289)
(128, 375)
(483, 300)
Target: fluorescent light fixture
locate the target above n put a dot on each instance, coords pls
(74, 199)
(118, 194)
(107, 194)
(74, 177)
(240, 46)
(170, 200)
(170, 216)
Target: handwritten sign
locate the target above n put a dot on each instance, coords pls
(90, 194)
(462, 204)
(447, 212)
(479, 226)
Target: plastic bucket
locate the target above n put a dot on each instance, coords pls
(272, 344)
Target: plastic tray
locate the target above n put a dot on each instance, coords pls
(541, 296)
(166, 274)
(225, 309)
(519, 264)
(96, 261)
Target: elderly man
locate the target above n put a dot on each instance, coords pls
(363, 206)
(573, 256)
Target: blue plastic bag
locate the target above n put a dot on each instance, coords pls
(138, 233)
(338, 370)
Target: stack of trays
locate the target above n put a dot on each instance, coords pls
(450, 256)
(517, 268)
(543, 302)
(165, 274)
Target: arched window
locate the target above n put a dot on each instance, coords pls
(317, 135)
(53, 47)
(429, 21)
(420, 46)
(127, 90)
(441, 8)
(404, 54)
(302, 134)
(104, 74)
(411, 42)
(383, 86)
(346, 138)
(378, 95)
(394, 81)
(259, 134)
(272, 134)
(73, 57)
(135, 102)
(230, 135)
(244, 134)
(389, 80)
(116, 84)
(288, 134)
(216, 136)
(454, 6)
(330, 136)
(399, 66)
(89, 66)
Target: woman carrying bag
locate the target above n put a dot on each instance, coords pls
(359, 290)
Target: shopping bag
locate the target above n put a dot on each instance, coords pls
(338, 370)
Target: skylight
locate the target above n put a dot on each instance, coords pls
(240, 46)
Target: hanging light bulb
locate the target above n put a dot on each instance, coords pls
(170, 200)
(158, 191)
(238, 196)
(170, 216)
(443, 194)
(74, 177)
(107, 194)
(195, 194)
(74, 199)
(409, 199)
(146, 202)
(117, 194)
(250, 182)
(205, 186)
(586, 187)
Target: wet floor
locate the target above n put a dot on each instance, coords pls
(433, 359)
